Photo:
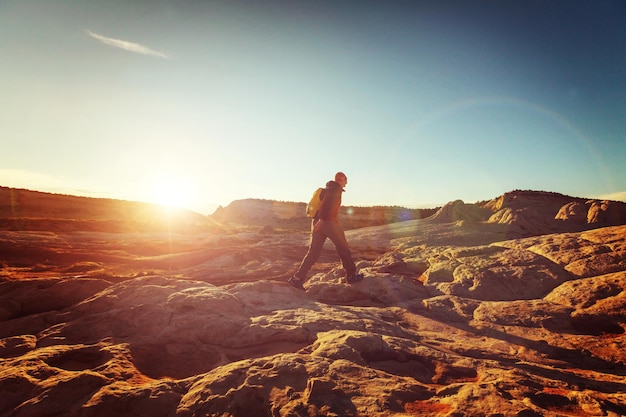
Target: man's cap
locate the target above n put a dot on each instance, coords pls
(340, 175)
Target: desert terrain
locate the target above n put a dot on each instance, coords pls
(513, 306)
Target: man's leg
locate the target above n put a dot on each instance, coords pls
(335, 233)
(315, 250)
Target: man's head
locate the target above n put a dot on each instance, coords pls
(341, 179)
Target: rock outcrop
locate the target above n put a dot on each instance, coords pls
(536, 212)
(529, 213)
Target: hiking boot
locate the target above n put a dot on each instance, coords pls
(354, 278)
(296, 282)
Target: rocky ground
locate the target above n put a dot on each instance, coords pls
(461, 314)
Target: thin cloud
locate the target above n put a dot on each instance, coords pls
(126, 45)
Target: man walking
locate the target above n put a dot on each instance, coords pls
(326, 224)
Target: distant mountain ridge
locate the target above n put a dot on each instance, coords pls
(526, 211)
(22, 209)
(261, 212)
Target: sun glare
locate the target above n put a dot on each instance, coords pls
(171, 191)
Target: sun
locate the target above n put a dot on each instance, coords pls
(172, 191)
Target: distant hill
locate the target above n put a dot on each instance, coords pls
(34, 210)
(22, 209)
(291, 215)
(525, 212)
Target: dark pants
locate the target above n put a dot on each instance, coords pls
(327, 229)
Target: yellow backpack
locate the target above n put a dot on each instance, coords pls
(315, 203)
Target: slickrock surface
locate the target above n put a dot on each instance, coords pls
(452, 319)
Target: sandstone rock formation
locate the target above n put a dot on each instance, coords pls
(453, 318)
(533, 212)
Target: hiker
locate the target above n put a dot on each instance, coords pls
(326, 225)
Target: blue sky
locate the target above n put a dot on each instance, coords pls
(200, 103)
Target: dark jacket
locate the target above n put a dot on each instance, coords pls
(329, 210)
